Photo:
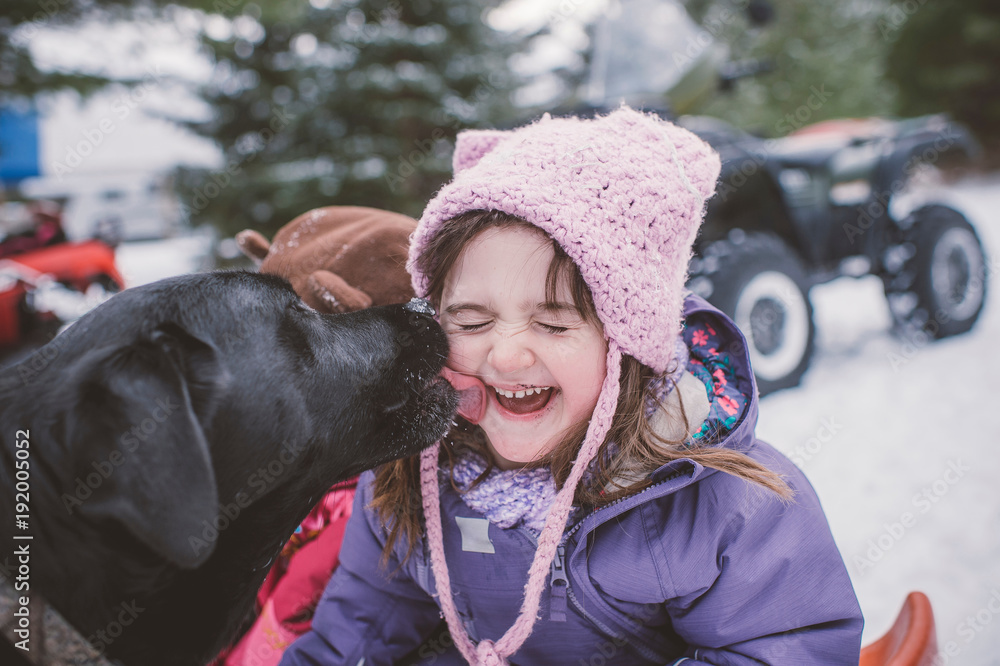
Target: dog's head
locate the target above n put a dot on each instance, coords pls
(217, 390)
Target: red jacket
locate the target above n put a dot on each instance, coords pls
(287, 599)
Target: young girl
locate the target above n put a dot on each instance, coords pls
(603, 498)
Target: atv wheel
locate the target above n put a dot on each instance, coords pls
(760, 282)
(936, 279)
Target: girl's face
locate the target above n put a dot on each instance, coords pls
(542, 363)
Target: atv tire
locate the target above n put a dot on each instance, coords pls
(936, 273)
(761, 283)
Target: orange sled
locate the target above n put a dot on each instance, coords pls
(912, 640)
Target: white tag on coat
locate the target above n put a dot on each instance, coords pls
(475, 535)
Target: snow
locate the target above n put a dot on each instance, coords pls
(147, 261)
(900, 441)
(119, 129)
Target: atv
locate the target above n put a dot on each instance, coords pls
(822, 203)
(46, 281)
(789, 213)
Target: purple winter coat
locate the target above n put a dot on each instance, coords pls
(700, 568)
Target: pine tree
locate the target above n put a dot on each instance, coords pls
(827, 61)
(21, 79)
(945, 57)
(353, 103)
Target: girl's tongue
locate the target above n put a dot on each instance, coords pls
(527, 404)
(472, 395)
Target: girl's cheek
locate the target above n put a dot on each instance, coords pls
(569, 349)
(460, 353)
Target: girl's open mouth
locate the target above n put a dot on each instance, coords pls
(525, 401)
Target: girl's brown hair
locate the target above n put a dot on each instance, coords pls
(640, 449)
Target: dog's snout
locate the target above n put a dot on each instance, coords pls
(420, 326)
(397, 401)
(421, 347)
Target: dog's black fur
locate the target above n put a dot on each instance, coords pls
(195, 396)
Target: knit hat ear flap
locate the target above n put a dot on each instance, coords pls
(486, 652)
(471, 145)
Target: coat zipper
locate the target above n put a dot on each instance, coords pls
(558, 587)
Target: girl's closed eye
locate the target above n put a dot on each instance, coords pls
(551, 328)
(472, 327)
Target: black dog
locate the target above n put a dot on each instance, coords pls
(177, 434)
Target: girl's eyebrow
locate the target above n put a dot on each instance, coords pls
(455, 308)
(547, 306)
(555, 306)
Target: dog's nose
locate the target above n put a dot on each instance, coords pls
(420, 306)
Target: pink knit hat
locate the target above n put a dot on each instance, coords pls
(623, 195)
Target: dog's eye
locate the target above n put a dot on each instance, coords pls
(301, 306)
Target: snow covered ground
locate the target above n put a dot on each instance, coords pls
(143, 262)
(898, 436)
(901, 442)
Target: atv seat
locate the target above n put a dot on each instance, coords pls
(912, 640)
(808, 152)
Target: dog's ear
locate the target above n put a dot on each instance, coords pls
(137, 422)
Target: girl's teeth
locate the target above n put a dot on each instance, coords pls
(519, 394)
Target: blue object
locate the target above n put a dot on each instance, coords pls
(18, 144)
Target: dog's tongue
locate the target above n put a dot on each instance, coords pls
(472, 395)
